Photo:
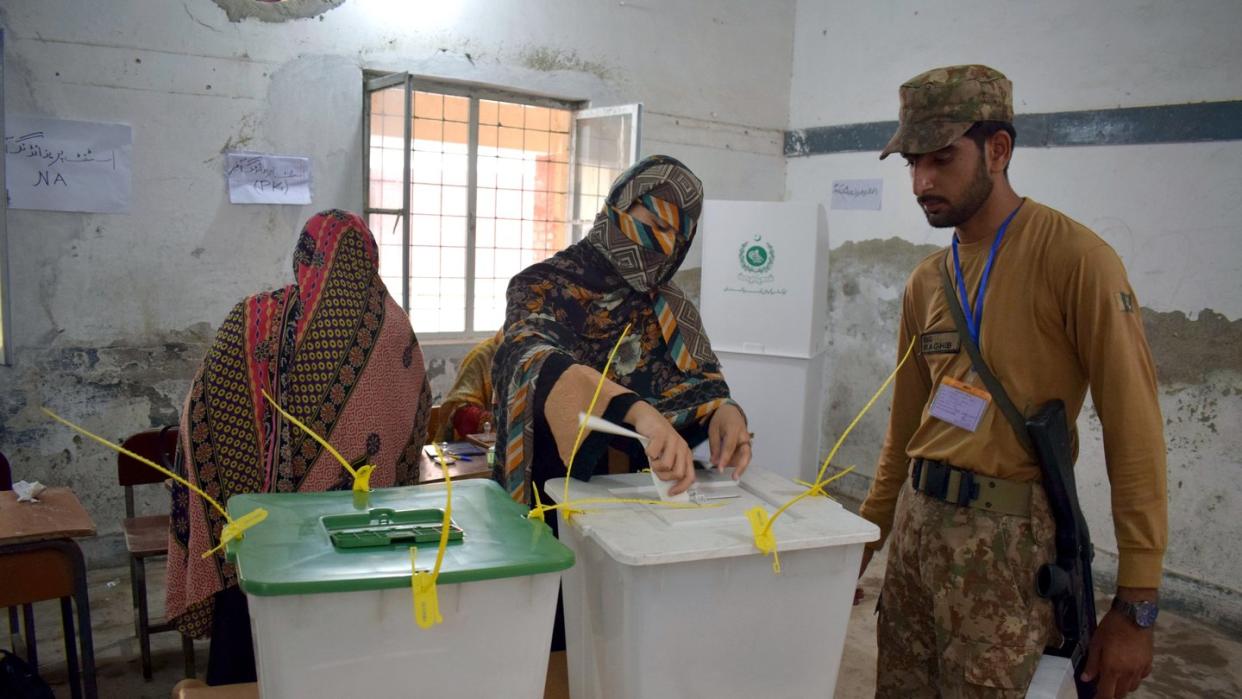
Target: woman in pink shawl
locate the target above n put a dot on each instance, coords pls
(335, 351)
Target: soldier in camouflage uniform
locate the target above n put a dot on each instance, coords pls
(959, 615)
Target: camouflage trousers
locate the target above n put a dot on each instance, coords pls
(959, 616)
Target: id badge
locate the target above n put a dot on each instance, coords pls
(960, 404)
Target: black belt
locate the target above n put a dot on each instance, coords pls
(964, 488)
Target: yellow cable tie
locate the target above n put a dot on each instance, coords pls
(423, 593)
(850, 428)
(812, 488)
(448, 516)
(361, 476)
(236, 528)
(817, 488)
(599, 387)
(537, 511)
(233, 529)
(425, 598)
(765, 540)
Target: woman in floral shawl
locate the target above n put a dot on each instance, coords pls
(337, 352)
(566, 313)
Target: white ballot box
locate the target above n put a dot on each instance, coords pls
(670, 602)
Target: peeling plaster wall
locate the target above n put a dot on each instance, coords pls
(1171, 211)
(113, 312)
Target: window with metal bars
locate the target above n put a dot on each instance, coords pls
(467, 185)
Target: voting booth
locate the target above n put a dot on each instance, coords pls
(764, 303)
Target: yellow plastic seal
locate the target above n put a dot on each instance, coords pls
(362, 478)
(423, 589)
(763, 536)
(232, 530)
(423, 583)
(765, 540)
(361, 475)
(236, 528)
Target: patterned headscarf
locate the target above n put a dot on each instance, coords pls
(576, 303)
(647, 257)
(336, 351)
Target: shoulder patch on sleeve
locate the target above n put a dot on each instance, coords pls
(1125, 301)
(940, 343)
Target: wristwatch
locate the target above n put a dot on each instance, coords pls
(1143, 614)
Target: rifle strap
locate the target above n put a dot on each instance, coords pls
(994, 386)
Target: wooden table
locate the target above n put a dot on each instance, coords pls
(40, 561)
(430, 471)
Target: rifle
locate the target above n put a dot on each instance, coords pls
(1067, 582)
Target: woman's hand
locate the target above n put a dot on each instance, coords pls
(667, 452)
(729, 440)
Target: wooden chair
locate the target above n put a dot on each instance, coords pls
(147, 536)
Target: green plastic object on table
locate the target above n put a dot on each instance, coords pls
(332, 542)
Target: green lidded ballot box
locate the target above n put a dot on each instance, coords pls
(328, 581)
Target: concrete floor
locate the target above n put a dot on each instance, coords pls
(1193, 659)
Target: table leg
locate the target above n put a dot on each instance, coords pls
(84, 616)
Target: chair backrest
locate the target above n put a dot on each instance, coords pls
(6, 476)
(159, 446)
(156, 445)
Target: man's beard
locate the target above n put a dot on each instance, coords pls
(976, 194)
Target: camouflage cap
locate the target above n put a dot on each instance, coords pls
(938, 106)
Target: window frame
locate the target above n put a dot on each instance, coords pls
(374, 81)
(580, 221)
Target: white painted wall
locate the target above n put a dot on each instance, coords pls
(1060, 54)
(194, 85)
(1171, 211)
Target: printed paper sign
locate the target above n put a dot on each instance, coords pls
(857, 194)
(62, 165)
(268, 179)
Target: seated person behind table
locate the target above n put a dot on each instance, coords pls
(564, 316)
(363, 390)
(467, 409)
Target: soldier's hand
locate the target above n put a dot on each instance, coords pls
(866, 559)
(1119, 656)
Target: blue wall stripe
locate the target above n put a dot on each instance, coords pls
(1177, 123)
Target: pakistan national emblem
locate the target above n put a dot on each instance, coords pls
(756, 257)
